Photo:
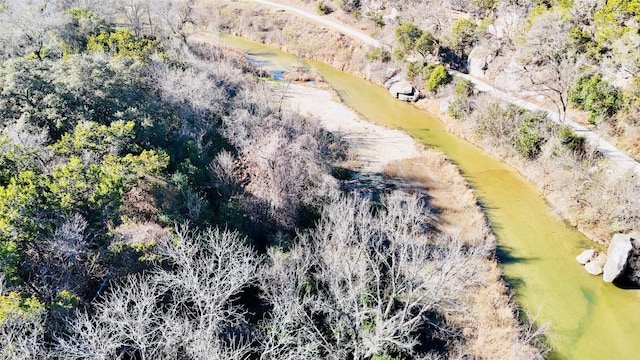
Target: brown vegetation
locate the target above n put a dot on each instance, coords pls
(292, 34)
(579, 186)
(491, 322)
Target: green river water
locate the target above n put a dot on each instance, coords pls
(589, 319)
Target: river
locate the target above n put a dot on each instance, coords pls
(589, 318)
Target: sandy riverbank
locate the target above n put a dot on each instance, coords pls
(391, 152)
(395, 155)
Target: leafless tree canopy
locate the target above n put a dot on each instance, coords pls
(548, 60)
(374, 276)
(183, 308)
(366, 281)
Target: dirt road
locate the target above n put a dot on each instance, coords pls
(621, 162)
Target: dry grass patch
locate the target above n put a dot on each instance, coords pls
(455, 203)
(291, 33)
(490, 323)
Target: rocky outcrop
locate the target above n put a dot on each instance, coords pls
(402, 89)
(617, 257)
(586, 256)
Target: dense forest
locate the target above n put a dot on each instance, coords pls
(158, 202)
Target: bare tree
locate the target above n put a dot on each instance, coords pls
(548, 61)
(282, 162)
(374, 280)
(583, 11)
(290, 331)
(429, 15)
(184, 308)
(163, 18)
(134, 11)
(174, 17)
(29, 27)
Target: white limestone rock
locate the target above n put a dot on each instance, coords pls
(401, 87)
(595, 265)
(593, 268)
(404, 91)
(586, 256)
(617, 257)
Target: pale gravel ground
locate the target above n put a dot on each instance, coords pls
(375, 146)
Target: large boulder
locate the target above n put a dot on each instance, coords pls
(409, 98)
(404, 91)
(401, 87)
(478, 60)
(585, 256)
(617, 257)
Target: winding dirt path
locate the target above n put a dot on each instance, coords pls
(621, 162)
(329, 23)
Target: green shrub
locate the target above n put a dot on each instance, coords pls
(399, 53)
(428, 70)
(378, 54)
(456, 109)
(414, 69)
(596, 96)
(583, 43)
(383, 357)
(425, 44)
(14, 304)
(463, 88)
(463, 33)
(124, 43)
(379, 21)
(461, 104)
(529, 140)
(571, 140)
(65, 301)
(611, 16)
(512, 126)
(323, 9)
(407, 34)
(438, 77)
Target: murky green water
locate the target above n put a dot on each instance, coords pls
(590, 319)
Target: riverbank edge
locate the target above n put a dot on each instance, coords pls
(498, 327)
(495, 318)
(599, 234)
